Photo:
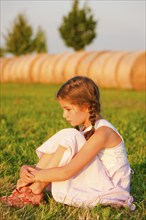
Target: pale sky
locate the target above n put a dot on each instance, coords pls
(121, 23)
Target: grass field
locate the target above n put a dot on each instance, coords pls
(30, 115)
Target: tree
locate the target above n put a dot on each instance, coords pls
(40, 41)
(78, 28)
(2, 52)
(20, 40)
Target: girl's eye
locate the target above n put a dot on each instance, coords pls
(66, 109)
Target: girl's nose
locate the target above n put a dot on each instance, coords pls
(64, 114)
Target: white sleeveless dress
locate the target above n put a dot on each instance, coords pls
(105, 180)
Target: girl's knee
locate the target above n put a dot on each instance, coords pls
(72, 137)
(70, 131)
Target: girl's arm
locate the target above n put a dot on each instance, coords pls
(45, 162)
(104, 137)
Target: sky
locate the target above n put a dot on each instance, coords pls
(121, 23)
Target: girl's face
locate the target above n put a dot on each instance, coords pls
(75, 114)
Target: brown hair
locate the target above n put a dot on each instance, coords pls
(81, 90)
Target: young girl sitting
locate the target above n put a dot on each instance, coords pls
(82, 166)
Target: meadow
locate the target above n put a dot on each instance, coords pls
(30, 114)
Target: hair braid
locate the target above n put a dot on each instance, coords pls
(92, 118)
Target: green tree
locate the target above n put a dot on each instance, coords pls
(21, 40)
(78, 28)
(40, 41)
(2, 52)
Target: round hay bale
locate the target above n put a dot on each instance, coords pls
(138, 72)
(70, 68)
(44, 69)
(35, 67)
(7, 69)
(3, 62)
(60, 66)
(131, 71)
(25, 73)
(13, 75)
(84, 65)
(20, 63)
(50, 77)
(96, 68)
(13, 72)
(110, 69)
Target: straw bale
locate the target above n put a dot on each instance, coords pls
(96, 68)
(138, 72)
(50, 77)
(110, 68)
(83, 67)
(70, 68)
(131, 71)
(25, 74)
(7, 69)
(19, 67)
(13, 72)
(3, 62)
(60, 66)
(43, 76)
(35, 67)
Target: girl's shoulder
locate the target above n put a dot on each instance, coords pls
(106, 127)
(104, 123)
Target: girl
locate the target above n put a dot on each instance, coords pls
(83, 166)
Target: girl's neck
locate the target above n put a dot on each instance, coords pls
(88, 124)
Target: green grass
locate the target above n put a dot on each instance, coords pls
(30, 115)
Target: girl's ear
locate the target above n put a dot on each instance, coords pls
(86, 107)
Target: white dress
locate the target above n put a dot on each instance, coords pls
(105, 180)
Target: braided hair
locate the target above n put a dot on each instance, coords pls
(81, 90)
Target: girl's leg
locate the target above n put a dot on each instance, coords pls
(42, 163)
(47, 161)
(73, 141)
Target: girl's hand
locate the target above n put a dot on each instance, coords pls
(36, 176)
(26, 175)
